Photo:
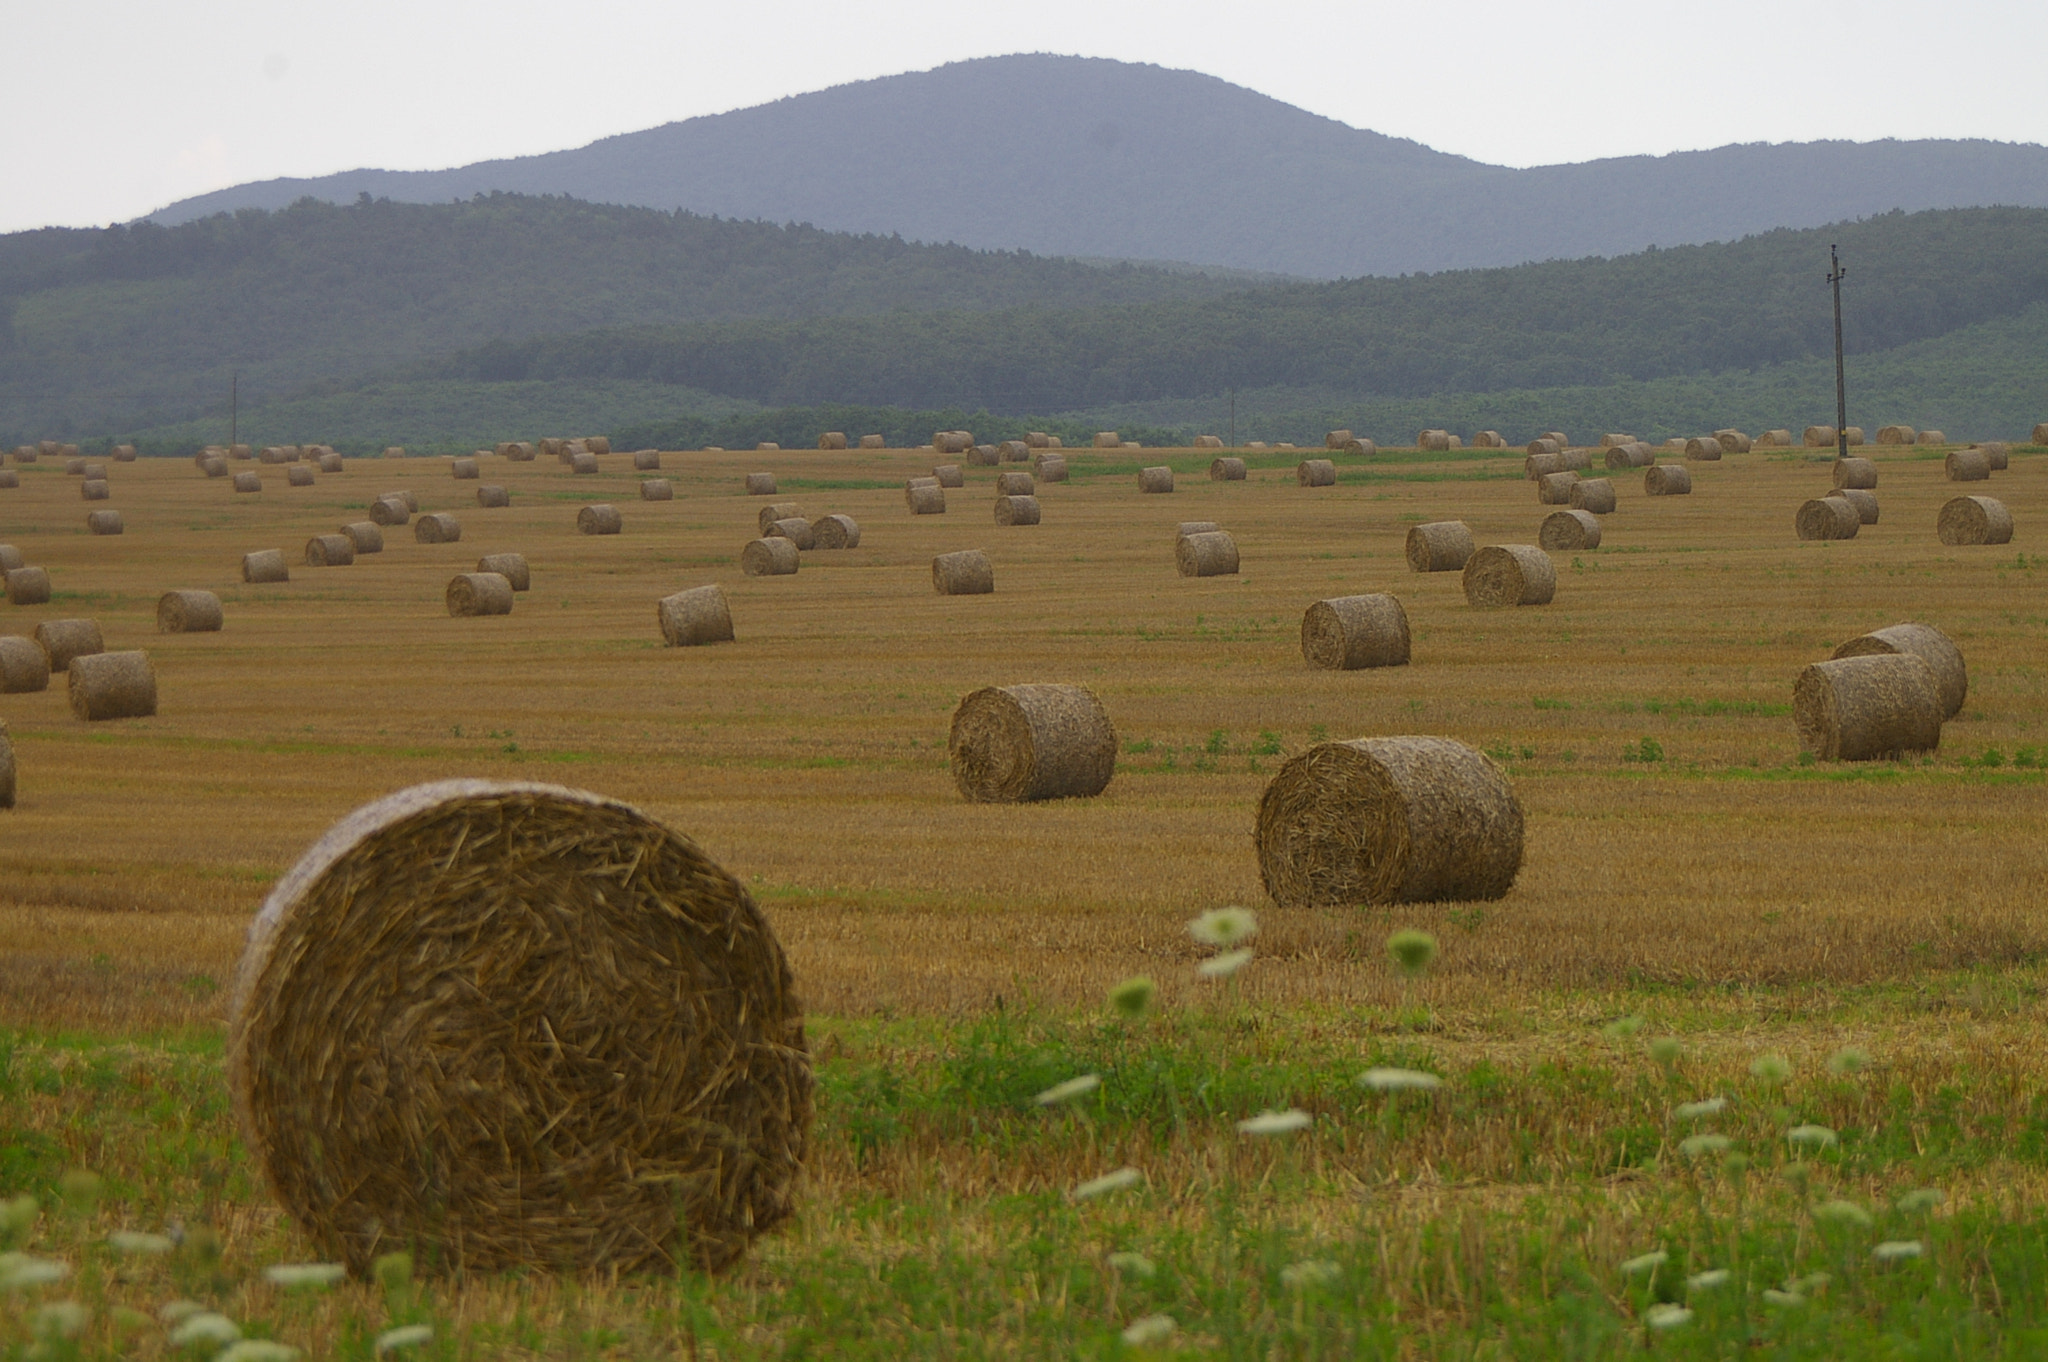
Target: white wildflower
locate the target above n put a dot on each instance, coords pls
(304, 1274)
(137, 1241)
(1844, 1213)
(404, 1336)
(206, 1326)
(1143, 1333)
(59, 1319)
(1647, 1262)
(1276, 1122)
(1399, 1080)
(1811, 1136)
(1224, 926)
(1224, 965)
(1694, 1146)
(1132, 1264)
(1069, 1090)
(1893, 1250)
(1709, 1280)
(1107, 1183)
(1313, 1272)
(1666, 1316)
(1706, 1106)
(20, 1269)
(256, 1350)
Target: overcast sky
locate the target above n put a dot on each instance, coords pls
(118, 107)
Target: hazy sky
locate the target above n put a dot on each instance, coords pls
(117, 107)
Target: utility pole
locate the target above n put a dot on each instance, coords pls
(1233, 418)
(1835, 273)
(235, 398)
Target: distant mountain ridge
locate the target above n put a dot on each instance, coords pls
(1091, 157)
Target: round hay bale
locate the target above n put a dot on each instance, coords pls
(1229, 469)
(1050, 467)
(554, 448)
(1668, 480)
(979, 456)
(1017, 744)
(124, 453)
(1962, 521)
(836, 532)
(953, 475)
(24, 666)
(965, 573)
(1854, 434)
(1542, 465)
(248, 482)
(465, 469)
(873, 442)
(929, 499)
(656, 489)
(1017, 510)
(1778, 438)
(911, 485)
(1036, 439)
(583, 464)
(1336, 439)
(389, 510)
(1634, 454)
(104, 522)
(511, 566)
(1208, 442)
(1704, 447)
(10, 557)
(1868, 707)
(774, 511)
(832, 439)
(1388, 820)
(75, 467)
(796, 530)
(265, 565)
(1014, 451)
(649, 460)
(621, 1067)
(1856, 472)
(1569, 530)
(188, 612)
(64, 640)
(760, 484)
(94, 489)
(1612, 441)
(1897, 435)
(437, 528)
(1436, 441)
(9, 478)
(214, 467)
(601, 518)
(598, 444)
(491, 496)
(331, 463)
(298, 475)
(521, 451)
(97, 472)
(1864, 502)
(1213, 553)
(1829, 517)
(1502, 575)
(113, 686)
(1932, 437)
(1158, 478)
(1733, 441)
(1347, 633)
(1108, 439)
(28, 586)
(776, 557)
(2040, 434)
(1489, 439)
(693, 618)
(1439, 546)
(1188, 527)
(1555, 489)
(1967, 465)
(1998, 454)
(1014, 485)
(1543, 447)
(1593, 494)
(1944, 660)
(1054, 442)
(1574, 460)
(479, 593)
(330, 550)
(366, 536)
(1819, 437)
(1315, 473)
(951, 441)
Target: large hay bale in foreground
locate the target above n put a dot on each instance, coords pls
(1967, 465)
(1827, 517)
(105, 522)
(796, 530)
(765, 557)
(113, 686)
(1504, 575)
(1013, 485)
(1346, 633)
(926, 499)
(1865, 502)
(760, 484)
(965, 573)
(1315, 473)
(1049, 467)
(1963, 521)
(656, 489)
(1868, 707)
(515, 1025)
(389, 510)
(1667, 480)
(693, 618)
(28, 586)
(601, 518)
(953, 475)
(1439, 546)
(1856, 472)
(1388, 820)
(1568, 530)
(1593, 494)
(1820, 437)
(1704, 447)
(1158, 478)
(265, 565)
(64, 640)
(1014, 744)
(330, 550)
(1555, 489)
(437, 528)
(1212, 553)
(24, 666)
(1018, 511)
(511, 566)
(479, 593)
(1227, 469)
(248, 482)
(1930, 645)
(188, 612)
(774, 511)
(367, 536)
(836, 532)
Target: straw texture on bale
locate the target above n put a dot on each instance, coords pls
(602, 518)
(1854, 434)
(693, 618)
(927, 499)
(1535, 466)
(389, 511)
(796, 530)
(113, 686)
(104, 522)
(1016, 744)
(656, 489)
(953, 475)
(1208, 442)
(265, 565)
(479, 593)
(1439, 546)
(1489, 439)
(1634, 454)
(1868, 707)
(1944, 660)
(775, 557)
(1227, 469)
(1576, 460)
(1967, 465)
(1049, 467)
(1014, 451)
(511, 566)
(1017, 510)
(1998, 454)
(438, 528)
(1037, 439)
(188, 612)
(330, 550)
(1932, 437)
(873, 442)
(409, 498)
(464, 469)
(1734, 441)
(491, 496)
(832, 439)
(75, 467)
(1388, 820)
(1541, 447)
(1829, 517)
(1897, 435)
(331, 463)
(1555, 489)
(1315, 473)
(248, 482)
(519, 451)
(598, 444)
(64, 640)
(1014, 485)
(1819, 437)
(1158, 478)
(1774, 439)
(1962, 521)
(836, 532)
(1864, 502)
(978, 456)
(1667, 480)
(1188, 527)
(94, 489)
(367, 536)
(1704, 447)
(1856, 472)
(583, 1040)
(1212, 553)
(1593, 494)
(774, 511)
(760, 484)
(965, 573)
(1503, 575)
(1569, 530)
(28, 586)
(1336, 439)
(10, 557)
(215, 467)
(646, 460)
(1108, 439)
(952, 441)
(124, 453)
(24, 666)
(1347, 633)
(1440, 440)
(584, 463)
(9, 478)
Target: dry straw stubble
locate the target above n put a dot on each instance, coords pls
(188, 612)
(479, 593)
(1868, 708)
(1347, 633)
(1504, 575)
(113, 686)
(1014, 744)
(1962, 521)
(695, 617)
(512, 567)
(1930, 645)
